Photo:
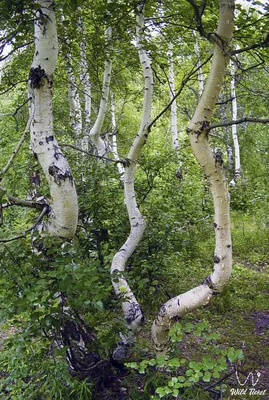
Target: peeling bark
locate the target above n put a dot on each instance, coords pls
(213, 169)
(62, 220)
(131, 309)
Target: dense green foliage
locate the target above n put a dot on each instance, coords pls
(177, 249)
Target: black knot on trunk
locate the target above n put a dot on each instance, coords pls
(35, 77)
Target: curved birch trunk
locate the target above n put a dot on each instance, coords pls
(237, 172)
(212, 166)
(131, 309)
(63, 215)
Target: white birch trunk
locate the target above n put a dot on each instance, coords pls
(114, 146)
(213, 170)
(63, 215)
(86, 85)
(132, 311)
(73, 97)
(237, 172)
(171, 79)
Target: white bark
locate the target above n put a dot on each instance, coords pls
(86, 85)
(114, 146)
(131, 308)
(237, 172)
(62, 219)
(95, 132)
(171, 79)
(73, 97)
(213, 170)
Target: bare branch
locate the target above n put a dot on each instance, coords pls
(13, 85)
(16, 150)
(15, 49)
(25, 203)
(237, 122)
(92, 155)
(23, 235)
(265, 43)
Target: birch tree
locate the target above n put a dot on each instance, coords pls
(132, 311)
(237, 172)
(213, 169)
(63, 214)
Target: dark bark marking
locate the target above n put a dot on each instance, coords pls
(208, 281)
(134, 313)
(229, 245)
(58, 175)
(216, 259)
(41, 143)
(49, 138)
(215, 225)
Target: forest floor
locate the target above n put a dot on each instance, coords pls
(240, 316)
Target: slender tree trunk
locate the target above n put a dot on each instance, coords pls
(237, 172)
(171, 78)
(73, 97)
(86, 87)
(63, 214)
(212, 167)
(131, 309)
(114, 147)
(95, 132)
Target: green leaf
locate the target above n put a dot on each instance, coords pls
(207, 377)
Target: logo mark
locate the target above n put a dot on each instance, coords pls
(249, 378)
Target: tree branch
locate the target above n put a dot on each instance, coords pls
(92, 155)
(238, 121)
(23, 235)
(265, 43)
(25, 203)
(183, 83)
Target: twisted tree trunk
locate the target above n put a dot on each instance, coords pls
(131, 309)
(213, 169)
